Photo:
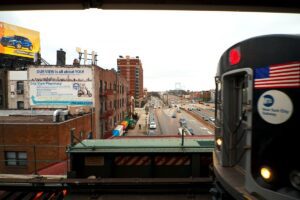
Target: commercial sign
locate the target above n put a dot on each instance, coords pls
(18, 41)
(60, 86)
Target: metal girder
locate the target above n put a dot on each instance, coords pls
(290, 6)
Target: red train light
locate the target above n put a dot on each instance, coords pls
(234, 56)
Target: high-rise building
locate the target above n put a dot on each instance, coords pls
(131, 69)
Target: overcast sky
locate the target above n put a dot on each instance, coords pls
(174, 46)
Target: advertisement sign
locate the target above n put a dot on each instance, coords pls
(18, 41)
(60, 74)
(60, 86)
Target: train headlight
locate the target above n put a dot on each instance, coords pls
(266, 173)
(295, 179)
(219, 142)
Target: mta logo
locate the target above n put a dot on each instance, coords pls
(76, 86)
(268, 100)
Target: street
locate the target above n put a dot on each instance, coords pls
(167, 119)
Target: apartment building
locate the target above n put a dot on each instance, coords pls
(132, 70)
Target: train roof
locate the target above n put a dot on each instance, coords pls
(261, 51)
(151, 145)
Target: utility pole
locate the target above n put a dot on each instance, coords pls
(182, 136)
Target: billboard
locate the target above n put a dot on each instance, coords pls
(60, 86)
(18, 41)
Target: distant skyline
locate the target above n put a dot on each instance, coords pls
(174, 46)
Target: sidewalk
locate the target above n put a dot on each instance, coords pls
(143, 121)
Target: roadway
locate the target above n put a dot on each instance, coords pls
(167, 119)
(169, 125)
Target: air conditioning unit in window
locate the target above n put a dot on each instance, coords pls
(20, 91)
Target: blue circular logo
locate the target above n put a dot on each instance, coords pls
(76, 86)
(268, 100)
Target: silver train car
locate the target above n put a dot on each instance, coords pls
(257, 135)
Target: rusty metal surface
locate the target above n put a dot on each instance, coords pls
(133, 188)
(6, 180)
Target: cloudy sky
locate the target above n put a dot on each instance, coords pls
(175, 46)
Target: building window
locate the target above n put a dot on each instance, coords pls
(20, 104)
(1, 100)
(20, 87)
(14, 158)
(1, 84)
(101, 89)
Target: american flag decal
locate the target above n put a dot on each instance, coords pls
(278, 76)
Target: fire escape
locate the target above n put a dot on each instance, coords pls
(106, 114)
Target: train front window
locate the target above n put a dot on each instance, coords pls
(235, 99)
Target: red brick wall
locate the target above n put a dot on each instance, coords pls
(129, 64)
(50, 141)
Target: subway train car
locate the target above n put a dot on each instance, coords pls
(257, 120)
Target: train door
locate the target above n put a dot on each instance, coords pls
(236, 116)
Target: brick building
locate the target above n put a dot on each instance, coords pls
(113, 99)
(29, 142)
(3, 88)
(131, 69)
(205, 96)
(17, 90)
(85, 86)
(55, 87)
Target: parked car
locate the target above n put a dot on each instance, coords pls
(182, 122)
(191, 131)
(152, 125)
(16, 41)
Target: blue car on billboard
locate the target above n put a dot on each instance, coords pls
(16, 41)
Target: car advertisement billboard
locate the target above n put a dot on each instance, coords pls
(60, 86)
(18, 41)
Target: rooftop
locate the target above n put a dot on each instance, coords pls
(170, 144)
(26, 119)
(29, 116)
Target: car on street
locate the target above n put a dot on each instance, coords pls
(191, 131)
(152, 125)
(182, 122)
